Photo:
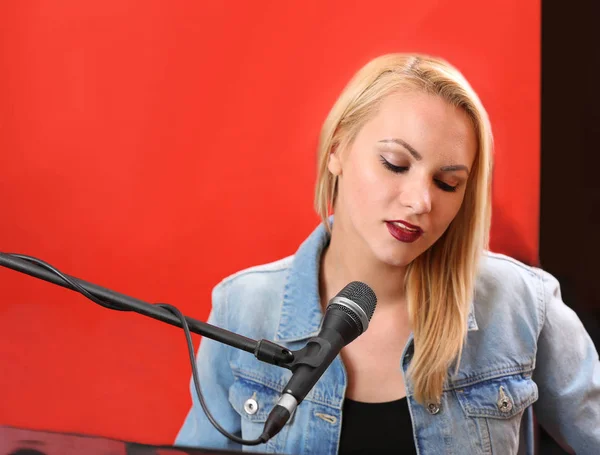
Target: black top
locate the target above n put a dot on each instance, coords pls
(376, 428)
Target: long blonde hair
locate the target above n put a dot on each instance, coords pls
(439, 283)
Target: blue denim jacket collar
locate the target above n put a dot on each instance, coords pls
(301, 313)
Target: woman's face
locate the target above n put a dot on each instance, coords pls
(402, 181)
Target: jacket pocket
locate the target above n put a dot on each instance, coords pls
(494, 409)
(253, 401)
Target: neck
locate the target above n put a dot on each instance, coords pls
(348, 259)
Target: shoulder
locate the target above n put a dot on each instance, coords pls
(251, 298)
(509, 274)
(509, 290)
(257, 279)
(503, 266)
(518, 276)
(263, 273)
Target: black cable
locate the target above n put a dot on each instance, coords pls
(186, 330)
(212, 420)
(72, 283)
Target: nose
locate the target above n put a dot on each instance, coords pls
(416, 195)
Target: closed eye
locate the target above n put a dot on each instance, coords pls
(400, 169)
(391, 167)
(445, 187)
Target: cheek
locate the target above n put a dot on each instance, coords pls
(448, 208)
(369, 186)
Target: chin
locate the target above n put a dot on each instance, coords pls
(396, 260)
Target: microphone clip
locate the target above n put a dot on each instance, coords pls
(313, 354)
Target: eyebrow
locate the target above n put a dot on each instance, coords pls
(417, 156)
(455, 167)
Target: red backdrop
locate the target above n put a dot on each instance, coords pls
(154, 147)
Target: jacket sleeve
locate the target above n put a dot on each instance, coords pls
(568, 375)
(215, 378)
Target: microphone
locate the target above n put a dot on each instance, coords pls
(346, 317)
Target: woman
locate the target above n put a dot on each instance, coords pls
(462, 342)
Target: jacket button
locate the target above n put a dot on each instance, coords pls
(504, 405)
(504, 402)
(433, 408)
(251, 406)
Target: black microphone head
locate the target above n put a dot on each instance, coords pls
(358, 301)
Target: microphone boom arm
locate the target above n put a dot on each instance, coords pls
(264, 350)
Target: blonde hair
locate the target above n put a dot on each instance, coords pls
(439, 283)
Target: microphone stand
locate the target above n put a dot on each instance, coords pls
(263, 350)
(313, 355)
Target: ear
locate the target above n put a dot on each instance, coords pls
(335, 163)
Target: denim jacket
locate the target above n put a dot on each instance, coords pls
(525, 351)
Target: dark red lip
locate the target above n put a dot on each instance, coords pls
(406, 223)
(403, 235)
